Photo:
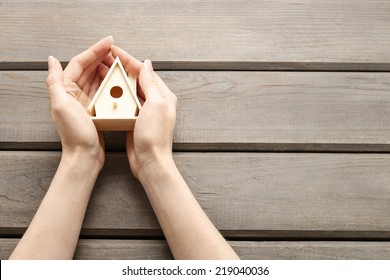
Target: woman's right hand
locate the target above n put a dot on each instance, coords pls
(149, 149)
(149, 146)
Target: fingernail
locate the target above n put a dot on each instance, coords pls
(148, 64)
(51, 61)
(111, 37)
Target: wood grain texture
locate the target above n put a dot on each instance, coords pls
(251, 111)
(246, 195)
(228, 34)
(91, 249)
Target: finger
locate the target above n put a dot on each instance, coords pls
(140, 92)
(101, 139)
(131, 64)
(88, 82)
(76, 92)
(86, 74)
(103, 70)
(172, 99)
(166, 91)
(94, 86)
(148, 82)
(141, 100)
(55, 80)
(80, 62)
(130, 145)
(129, 141)
(109, 60)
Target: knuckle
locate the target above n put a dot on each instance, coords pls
(150, 81)
(160, 103)
(76, 61)
(51, 80)
(56, 109)
(72, 61)
(60, 107)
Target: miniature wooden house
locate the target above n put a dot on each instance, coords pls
(115, 105)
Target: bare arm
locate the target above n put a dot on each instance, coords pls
(188, 230)
(55, 228)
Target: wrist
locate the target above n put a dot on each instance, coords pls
(154, 170)
(81, 164)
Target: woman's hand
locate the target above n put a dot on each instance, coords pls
(150, 144)
(55, 228)
(70, 92)
(189, 232)
(187, 229)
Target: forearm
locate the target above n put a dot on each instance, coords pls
(189, 232)
(55, 228)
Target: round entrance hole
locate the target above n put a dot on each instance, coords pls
(116, 92)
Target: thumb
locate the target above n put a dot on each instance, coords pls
(148, 82)
(55, 79)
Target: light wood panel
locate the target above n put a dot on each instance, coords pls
(251, 111)
(249, 250)
(286, 34)
(246, 195)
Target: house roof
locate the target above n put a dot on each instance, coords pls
(116, 63)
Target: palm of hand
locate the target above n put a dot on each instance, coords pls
(151, 141)
(74, 125)
(70, 92)
(152, 135)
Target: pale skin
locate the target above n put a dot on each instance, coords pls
(55, 229)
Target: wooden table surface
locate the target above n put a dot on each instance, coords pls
(283, 125)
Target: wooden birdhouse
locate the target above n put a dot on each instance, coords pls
(115, 105)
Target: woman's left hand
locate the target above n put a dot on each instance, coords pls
(70, 92)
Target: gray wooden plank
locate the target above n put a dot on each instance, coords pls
(296, 111)
(229, 34)
(247, 195)
(328, 250)
(109, 249)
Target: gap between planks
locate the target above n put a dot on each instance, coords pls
(225, 66)
(158, 249)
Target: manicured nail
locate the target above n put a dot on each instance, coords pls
(148, 64)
